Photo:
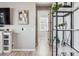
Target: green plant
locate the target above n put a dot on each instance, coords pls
(55, 7)
(58, 41)
(62, 24)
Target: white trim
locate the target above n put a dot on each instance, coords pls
(23, 49)
(0, 51)
(7, 51)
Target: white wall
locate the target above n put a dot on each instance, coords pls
(24, 39)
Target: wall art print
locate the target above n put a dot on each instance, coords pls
(23, 17)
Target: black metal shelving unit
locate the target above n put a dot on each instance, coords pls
(57, 16)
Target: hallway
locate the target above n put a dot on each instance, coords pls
(43, 48)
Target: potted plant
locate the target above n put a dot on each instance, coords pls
(58, 41)
(61, 25)
(56, 7)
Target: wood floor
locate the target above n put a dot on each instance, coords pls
(41, 50)
(19, 53)
(27, 53)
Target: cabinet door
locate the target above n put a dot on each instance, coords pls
(7, 41)
(1, 49)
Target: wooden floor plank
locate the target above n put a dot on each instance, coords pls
(19, 53)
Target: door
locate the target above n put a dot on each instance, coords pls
(43, 42)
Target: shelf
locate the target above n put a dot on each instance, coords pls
(5, 48)
(67, 29)
(66, 6)
(5, 45)
(6, 39)
(63, 30)
(6, 42)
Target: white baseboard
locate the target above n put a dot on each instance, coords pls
(0, 51)
(5, 51)
(23, 49)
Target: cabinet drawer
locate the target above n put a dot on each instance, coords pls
(6, 42)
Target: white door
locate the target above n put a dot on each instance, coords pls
(43, 46)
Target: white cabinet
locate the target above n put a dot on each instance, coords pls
(6, 42)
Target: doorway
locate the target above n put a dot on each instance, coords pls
(43, 47)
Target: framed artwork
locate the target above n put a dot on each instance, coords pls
(23, 17)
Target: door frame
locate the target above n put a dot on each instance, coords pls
(37, 9)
